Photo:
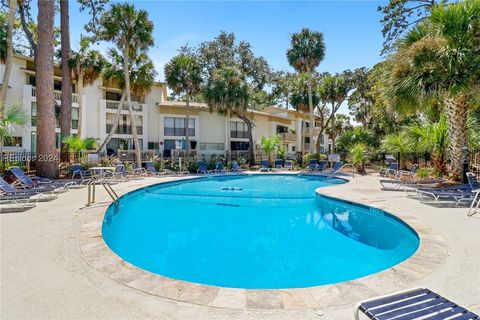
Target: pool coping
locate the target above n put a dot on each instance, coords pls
(430, 254)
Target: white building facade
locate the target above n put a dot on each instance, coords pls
(160, 123)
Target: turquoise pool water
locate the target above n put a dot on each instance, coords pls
(255, 232)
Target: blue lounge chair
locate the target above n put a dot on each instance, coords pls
(417, 303)
(202, 168)
(219, 168)
(288, 165)
(321, 165)
(337, 166)
(439, 196)
(150, 170)
(278, 164)
(392, 169)
(313, 165)
(138, 171)
(472, 181)
(79, 171)
(26, 182)
(264, 165)
(9, 193)
(236, 167)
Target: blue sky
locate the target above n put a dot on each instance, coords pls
(351, 28)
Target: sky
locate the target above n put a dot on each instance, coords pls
(351, 29)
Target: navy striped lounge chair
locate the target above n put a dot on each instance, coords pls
(417, 303)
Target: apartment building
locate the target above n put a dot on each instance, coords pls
(161, 124)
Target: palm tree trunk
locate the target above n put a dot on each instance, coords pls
(251, 152)
(187, 119)
(12, 9)
(310, 107)
(114, 125)
(302, 135)
(46, 161)
(80, 101)
(456, 112)
(66, 103)
(133, 124)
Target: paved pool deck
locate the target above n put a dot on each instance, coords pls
(52, 266)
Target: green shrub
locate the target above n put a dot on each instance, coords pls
(423, 173)
(357, 156)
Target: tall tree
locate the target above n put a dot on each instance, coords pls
(361, 100)
(227, 91)
(86, 66)
(440, 61)
(333, 92)
(131, 30)
(305, 54)
(299, 99)
(282, 87)
(66, 98)
(399, 16)
(142, 78)
(47, 161)
(12, 9)
(225, 52)
(183, 74)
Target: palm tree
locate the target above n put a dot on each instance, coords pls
(15, 115)
(66, 99)
(439, 60)
(47, 162)
(306, 52)
(228, 92)
(142, 78)
(131, 31)
(12, 9)
(86, 65)
(183, 74)
(299, 99)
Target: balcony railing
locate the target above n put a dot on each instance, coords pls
(57, 95)
(288, 136)
(124, 129)
(114, 105)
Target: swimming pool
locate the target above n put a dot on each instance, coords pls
(263, 231)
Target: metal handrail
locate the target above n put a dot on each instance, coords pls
(106, 185)
(345, 165)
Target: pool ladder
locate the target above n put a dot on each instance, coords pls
(107, 186)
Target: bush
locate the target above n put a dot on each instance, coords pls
(357, 155)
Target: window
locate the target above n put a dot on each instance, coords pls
(58, 113)
(113, 96)
(57, 85)
(211, 146)
(239, 145)
(33, 115)
(238, 130)
(176, 126)
(13, 142)
(172, 144)
(31, 80)
(33, 143)
(74, 118)
(322, 139)
(58, 140)
(153, 145)
(282, 129)
(306, 139)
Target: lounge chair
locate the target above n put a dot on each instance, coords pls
(79, 171)
(138, 171)
(312, 166)
(150, 170)
(219, 168)
(337, 166)
(278, 164)
(288, 165)
(439, 196)
(202, 168)
(417, 303)
(26, 182)
(472, 181)
(236, 168)
(264, 165)
(9, 193)
(392, 169)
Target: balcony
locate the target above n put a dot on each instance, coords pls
(288, 136)
(124, 129)
(113, 105)
(309, 131)
(57, 95)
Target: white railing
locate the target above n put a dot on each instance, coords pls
(57, 95)
(110, 104)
